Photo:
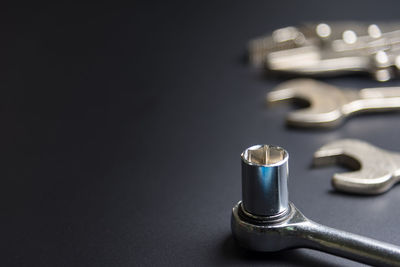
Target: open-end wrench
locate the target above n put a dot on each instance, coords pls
(377, 170)
(266, 221)
(329, 105)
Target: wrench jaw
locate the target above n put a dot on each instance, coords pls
(346, 183)
(374, 168)
(268, 233)
(331, 155)
(324, 109)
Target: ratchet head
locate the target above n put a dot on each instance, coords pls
(376, 170)
(267, 234)
(325, 102)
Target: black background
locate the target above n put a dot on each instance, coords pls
(122, 129)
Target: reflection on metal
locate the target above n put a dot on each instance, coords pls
(330, 49)
(323, 30)
(329, 105)
(265, 172)
(377, 170)
(256, 227)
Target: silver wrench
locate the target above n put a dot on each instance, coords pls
(266, 221)
(329, 105)
(316, 49)
(377, 170)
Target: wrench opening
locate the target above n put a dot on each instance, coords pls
(339, 159)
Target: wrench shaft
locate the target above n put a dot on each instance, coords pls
(348, 245)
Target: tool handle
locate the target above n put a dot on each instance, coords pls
(380, 92)
(351, 246)
(373, 99)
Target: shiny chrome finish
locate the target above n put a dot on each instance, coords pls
(331, 49)
(291, 229)
(377, 170)
(329, 105)
(264, 180)
(296, 231)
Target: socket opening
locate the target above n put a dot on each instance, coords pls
(264, 155)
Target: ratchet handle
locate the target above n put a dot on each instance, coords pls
(348, 245)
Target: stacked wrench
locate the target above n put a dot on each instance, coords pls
(330, 49)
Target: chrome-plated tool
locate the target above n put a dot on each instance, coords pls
(266, 221)
(376, 169)
(329, 105)
(331, 49)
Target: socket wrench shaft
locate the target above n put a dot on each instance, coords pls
(348, 245)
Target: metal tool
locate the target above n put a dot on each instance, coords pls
(331, 49)
(329, 105)
(377, 170)
(266, 221)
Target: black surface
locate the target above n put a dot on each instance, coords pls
(122, 130)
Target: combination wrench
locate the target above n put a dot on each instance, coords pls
(265, 220)
(329, 105)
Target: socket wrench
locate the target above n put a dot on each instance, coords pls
(265, 220)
